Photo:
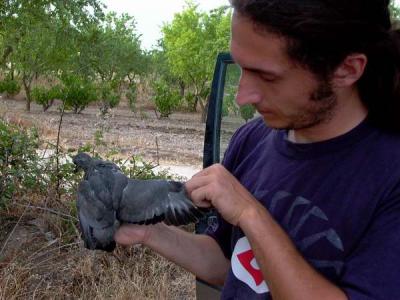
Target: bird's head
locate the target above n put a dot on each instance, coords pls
(82, 161)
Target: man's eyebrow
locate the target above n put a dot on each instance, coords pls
(256, 70)
(262, 71)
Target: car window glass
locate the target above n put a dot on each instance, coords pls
(233, 116)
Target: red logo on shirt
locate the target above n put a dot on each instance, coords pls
(245, 267)
(245, 259)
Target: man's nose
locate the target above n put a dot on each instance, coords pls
(247, 92)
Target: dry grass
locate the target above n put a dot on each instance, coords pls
(75, 273)
(42, 257)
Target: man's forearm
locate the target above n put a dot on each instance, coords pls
(199, 254)
(286, 272)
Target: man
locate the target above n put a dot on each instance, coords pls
(308, 195)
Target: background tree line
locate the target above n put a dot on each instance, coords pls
(76, 52)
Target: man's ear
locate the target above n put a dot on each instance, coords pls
(350, 70)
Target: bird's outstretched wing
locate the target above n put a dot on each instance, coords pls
(153, 201)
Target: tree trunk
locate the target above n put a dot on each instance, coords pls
(204, 109)
(182, 88)
(27, 85)
(7, 51)
(28, 103)
(12, 71)
(194, 109)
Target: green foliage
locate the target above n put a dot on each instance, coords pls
(394, 10)
(56, 92)
(99, 138)
(136, 167)
(19, 168)
(133, 167)
(51, 37)
(109, 97)
(24, 173)
(109, 50)
(191, 43)
(231, 84)
(247, 112)
(165, 99)
(190, 100)
(78, 93)
(46, 96)
(61, 177)
(225, 109)
(10, 87)
(38, 35)
(229, 106)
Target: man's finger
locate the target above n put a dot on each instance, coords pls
(196, 182)
(200, 197)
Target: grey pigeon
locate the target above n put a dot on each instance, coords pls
(107, 198)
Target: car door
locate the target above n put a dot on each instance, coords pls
(223, 118)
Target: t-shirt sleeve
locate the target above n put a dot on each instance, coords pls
(372, 271)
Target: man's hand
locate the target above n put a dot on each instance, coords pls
(199, 254)
(130, 234)
(216, 187)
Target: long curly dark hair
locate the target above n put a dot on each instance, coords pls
(321, 33)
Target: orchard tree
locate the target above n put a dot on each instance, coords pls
(17, 15)
(36, 54)
(35, 35)
(192, 41)
(109, 52)
(159, 69)
(112, 48)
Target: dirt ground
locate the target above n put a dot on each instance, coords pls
(179, 139)
(175, 141)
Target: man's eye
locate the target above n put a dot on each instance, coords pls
(267, 78)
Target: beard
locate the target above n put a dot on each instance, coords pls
(322, 103)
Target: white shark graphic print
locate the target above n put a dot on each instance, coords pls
(245, 267)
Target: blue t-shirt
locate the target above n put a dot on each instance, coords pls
(338, 200)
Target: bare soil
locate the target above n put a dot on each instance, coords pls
(178, 139)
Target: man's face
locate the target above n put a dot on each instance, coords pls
(286, 95)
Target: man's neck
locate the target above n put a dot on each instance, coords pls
(349, 113)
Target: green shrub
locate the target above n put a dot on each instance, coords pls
(165, 99)
(10, 87)
(229, 106)
(137, 168)
(190, 99)
(23, 172)
(56, 92)
(19, 167)
(247, 112)
(46, 97)
(77, 93)
(110, 98)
